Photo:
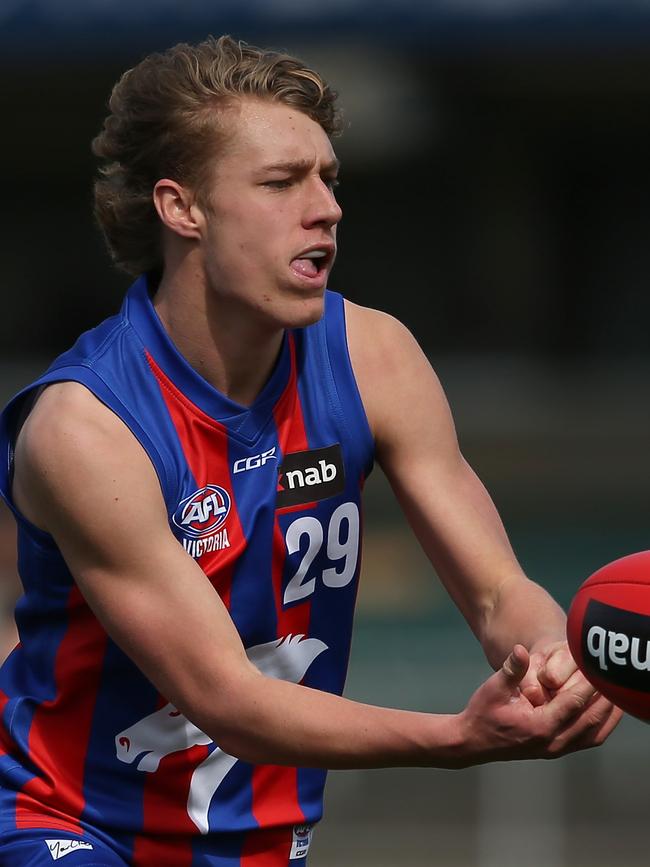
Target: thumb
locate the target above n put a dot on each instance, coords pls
(515, 666)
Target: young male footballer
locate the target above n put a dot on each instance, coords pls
(187, 480)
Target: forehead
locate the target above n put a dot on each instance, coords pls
(263, 132)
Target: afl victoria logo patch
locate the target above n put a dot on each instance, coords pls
(203, 512)
(310, 476)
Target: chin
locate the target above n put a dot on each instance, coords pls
(297, 310)
(307, 311)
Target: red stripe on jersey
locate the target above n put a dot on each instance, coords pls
(60, 729)
(164, 798)
(167, 826)
(287, 412)
(205, 445)
(162, 851)
(275, 796)
(267, 848)
(275, 788)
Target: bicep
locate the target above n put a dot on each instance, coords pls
(92, 487)
(445, 502)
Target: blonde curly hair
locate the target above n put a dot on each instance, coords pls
(164, 121)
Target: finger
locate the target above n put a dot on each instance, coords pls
(609, 725)
(531, 687)
(536, 693)
(515, 667)
(583, 728)
(578, 680)
(591, 730)
(558, 668)
(570, 701)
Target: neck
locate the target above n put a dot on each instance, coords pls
(223, 342)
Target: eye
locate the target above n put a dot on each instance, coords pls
(280, 184)
(332, 183)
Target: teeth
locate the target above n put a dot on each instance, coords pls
(314, 254)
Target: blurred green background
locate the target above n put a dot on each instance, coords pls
(496, 192)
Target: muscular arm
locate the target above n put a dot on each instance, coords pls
(445, 502)
(81, 476)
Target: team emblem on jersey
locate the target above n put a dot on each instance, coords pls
(166, 731)
(310, 476)
(203, 512)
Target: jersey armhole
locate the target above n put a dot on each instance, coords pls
(14, 412)
(345, 388)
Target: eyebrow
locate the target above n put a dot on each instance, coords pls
(297, 166)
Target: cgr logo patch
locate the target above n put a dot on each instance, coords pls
(616, 645)
(203, 512)
(253, 462)
(310, 476)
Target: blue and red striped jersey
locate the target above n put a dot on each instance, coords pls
(266, 499)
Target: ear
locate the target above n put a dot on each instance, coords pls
(177, 209)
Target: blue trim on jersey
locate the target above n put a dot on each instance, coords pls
(252, 600)
(105, 804)
(243, 422)
(345, 399)
(231, 807)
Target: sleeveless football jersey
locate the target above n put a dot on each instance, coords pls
(267, 500)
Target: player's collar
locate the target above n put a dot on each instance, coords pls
(245, 421)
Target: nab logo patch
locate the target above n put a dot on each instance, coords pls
(203, 512)
(616, 645)
(307, 477)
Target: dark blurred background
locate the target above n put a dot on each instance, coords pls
(495, 187)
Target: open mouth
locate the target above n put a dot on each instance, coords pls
(312, 263)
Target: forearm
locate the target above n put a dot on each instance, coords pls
(270, 721)
(522, 613)
(276, 722)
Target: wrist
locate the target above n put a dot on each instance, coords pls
(452, 748)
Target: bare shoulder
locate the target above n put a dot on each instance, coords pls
(372, 333)
(392, 372)
(71, 442)
(69, 425)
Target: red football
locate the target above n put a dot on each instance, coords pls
(608, 629)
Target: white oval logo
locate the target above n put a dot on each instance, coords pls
(203, 512)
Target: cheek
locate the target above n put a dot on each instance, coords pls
(257, 229)
(247, 239)
(232, 244)
(263, 242)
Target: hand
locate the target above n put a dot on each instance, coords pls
(551, 667)
(501, 723)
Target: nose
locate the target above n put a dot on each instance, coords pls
(322, 207)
